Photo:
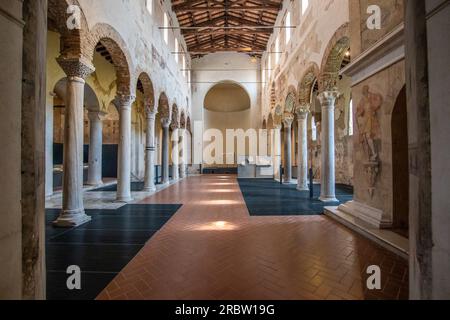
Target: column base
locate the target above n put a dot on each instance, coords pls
(289, 182)
(71, 219)
(149, 189)
(302, 188)
(95, 184)
(328, 199)
(124, 199)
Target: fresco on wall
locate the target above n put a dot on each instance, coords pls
(368, 123)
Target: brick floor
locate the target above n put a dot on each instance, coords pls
(212, 249)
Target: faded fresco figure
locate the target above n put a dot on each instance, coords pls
(367, 121)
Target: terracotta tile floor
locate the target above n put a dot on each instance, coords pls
(213, 249)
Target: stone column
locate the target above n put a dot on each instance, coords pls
(165, 151)
(183, 158)
(124, 103)
(149, 180)
(287, 121)
(327, 191)
(73, 209)
(175, 152)
(276, 153)
(95, 148)
(302, 158)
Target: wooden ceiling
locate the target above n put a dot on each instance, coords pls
(226, 25)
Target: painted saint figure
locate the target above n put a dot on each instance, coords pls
(368, 124)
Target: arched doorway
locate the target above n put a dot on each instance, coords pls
(400, 174)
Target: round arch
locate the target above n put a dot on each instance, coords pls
(145, 84)
(306, 85)
(333, 57)
(163, 106)
(227, 96)
(109, 38)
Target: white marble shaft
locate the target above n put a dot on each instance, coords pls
(149, 179)
(124, 157)
(302, 168)
(287, 150)
(327, 191)
(73, 209)
(276, 147)
(175, 153)
(95, 148)
(183, 157)
(165, 150)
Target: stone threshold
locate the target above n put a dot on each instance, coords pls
(383, 237)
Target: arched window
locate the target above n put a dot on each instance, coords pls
(305, 4)
(350, 118)
(288, 27)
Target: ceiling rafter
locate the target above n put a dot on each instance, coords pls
(226, 25)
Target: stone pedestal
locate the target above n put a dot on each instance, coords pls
(95, 148)
(124, 157)
(287, 121)
(73, 209)
(328, 188)
(165, 151)
(302, 168)
(175, 153)
(149, 180)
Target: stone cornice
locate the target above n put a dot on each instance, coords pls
(387, 51)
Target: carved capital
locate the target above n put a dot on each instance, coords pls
(166, 122)
(96, 115)
(277, 126)
(150, 111)
(288, 119)
(124, 101)
(76, 67)
(328, 98)
(303, 111)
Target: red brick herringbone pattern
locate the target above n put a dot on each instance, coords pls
(213, 249)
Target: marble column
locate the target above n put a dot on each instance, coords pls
(72, 208)
(149, 179)
(165, 150)
(95, 148)
(287, 121)
(183, 158)
(175, 153)
(276, 153)
(302, 158)
(328, 188)
(124, 103)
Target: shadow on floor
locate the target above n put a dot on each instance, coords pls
(267, 197)
(101, 247)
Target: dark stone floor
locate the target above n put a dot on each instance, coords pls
(101, 247)
(267, 197)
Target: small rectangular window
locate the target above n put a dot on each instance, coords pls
(150, 6)
(166, 28)
(305, 4)
(288, 27)
(176, 50)
(350, 118)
